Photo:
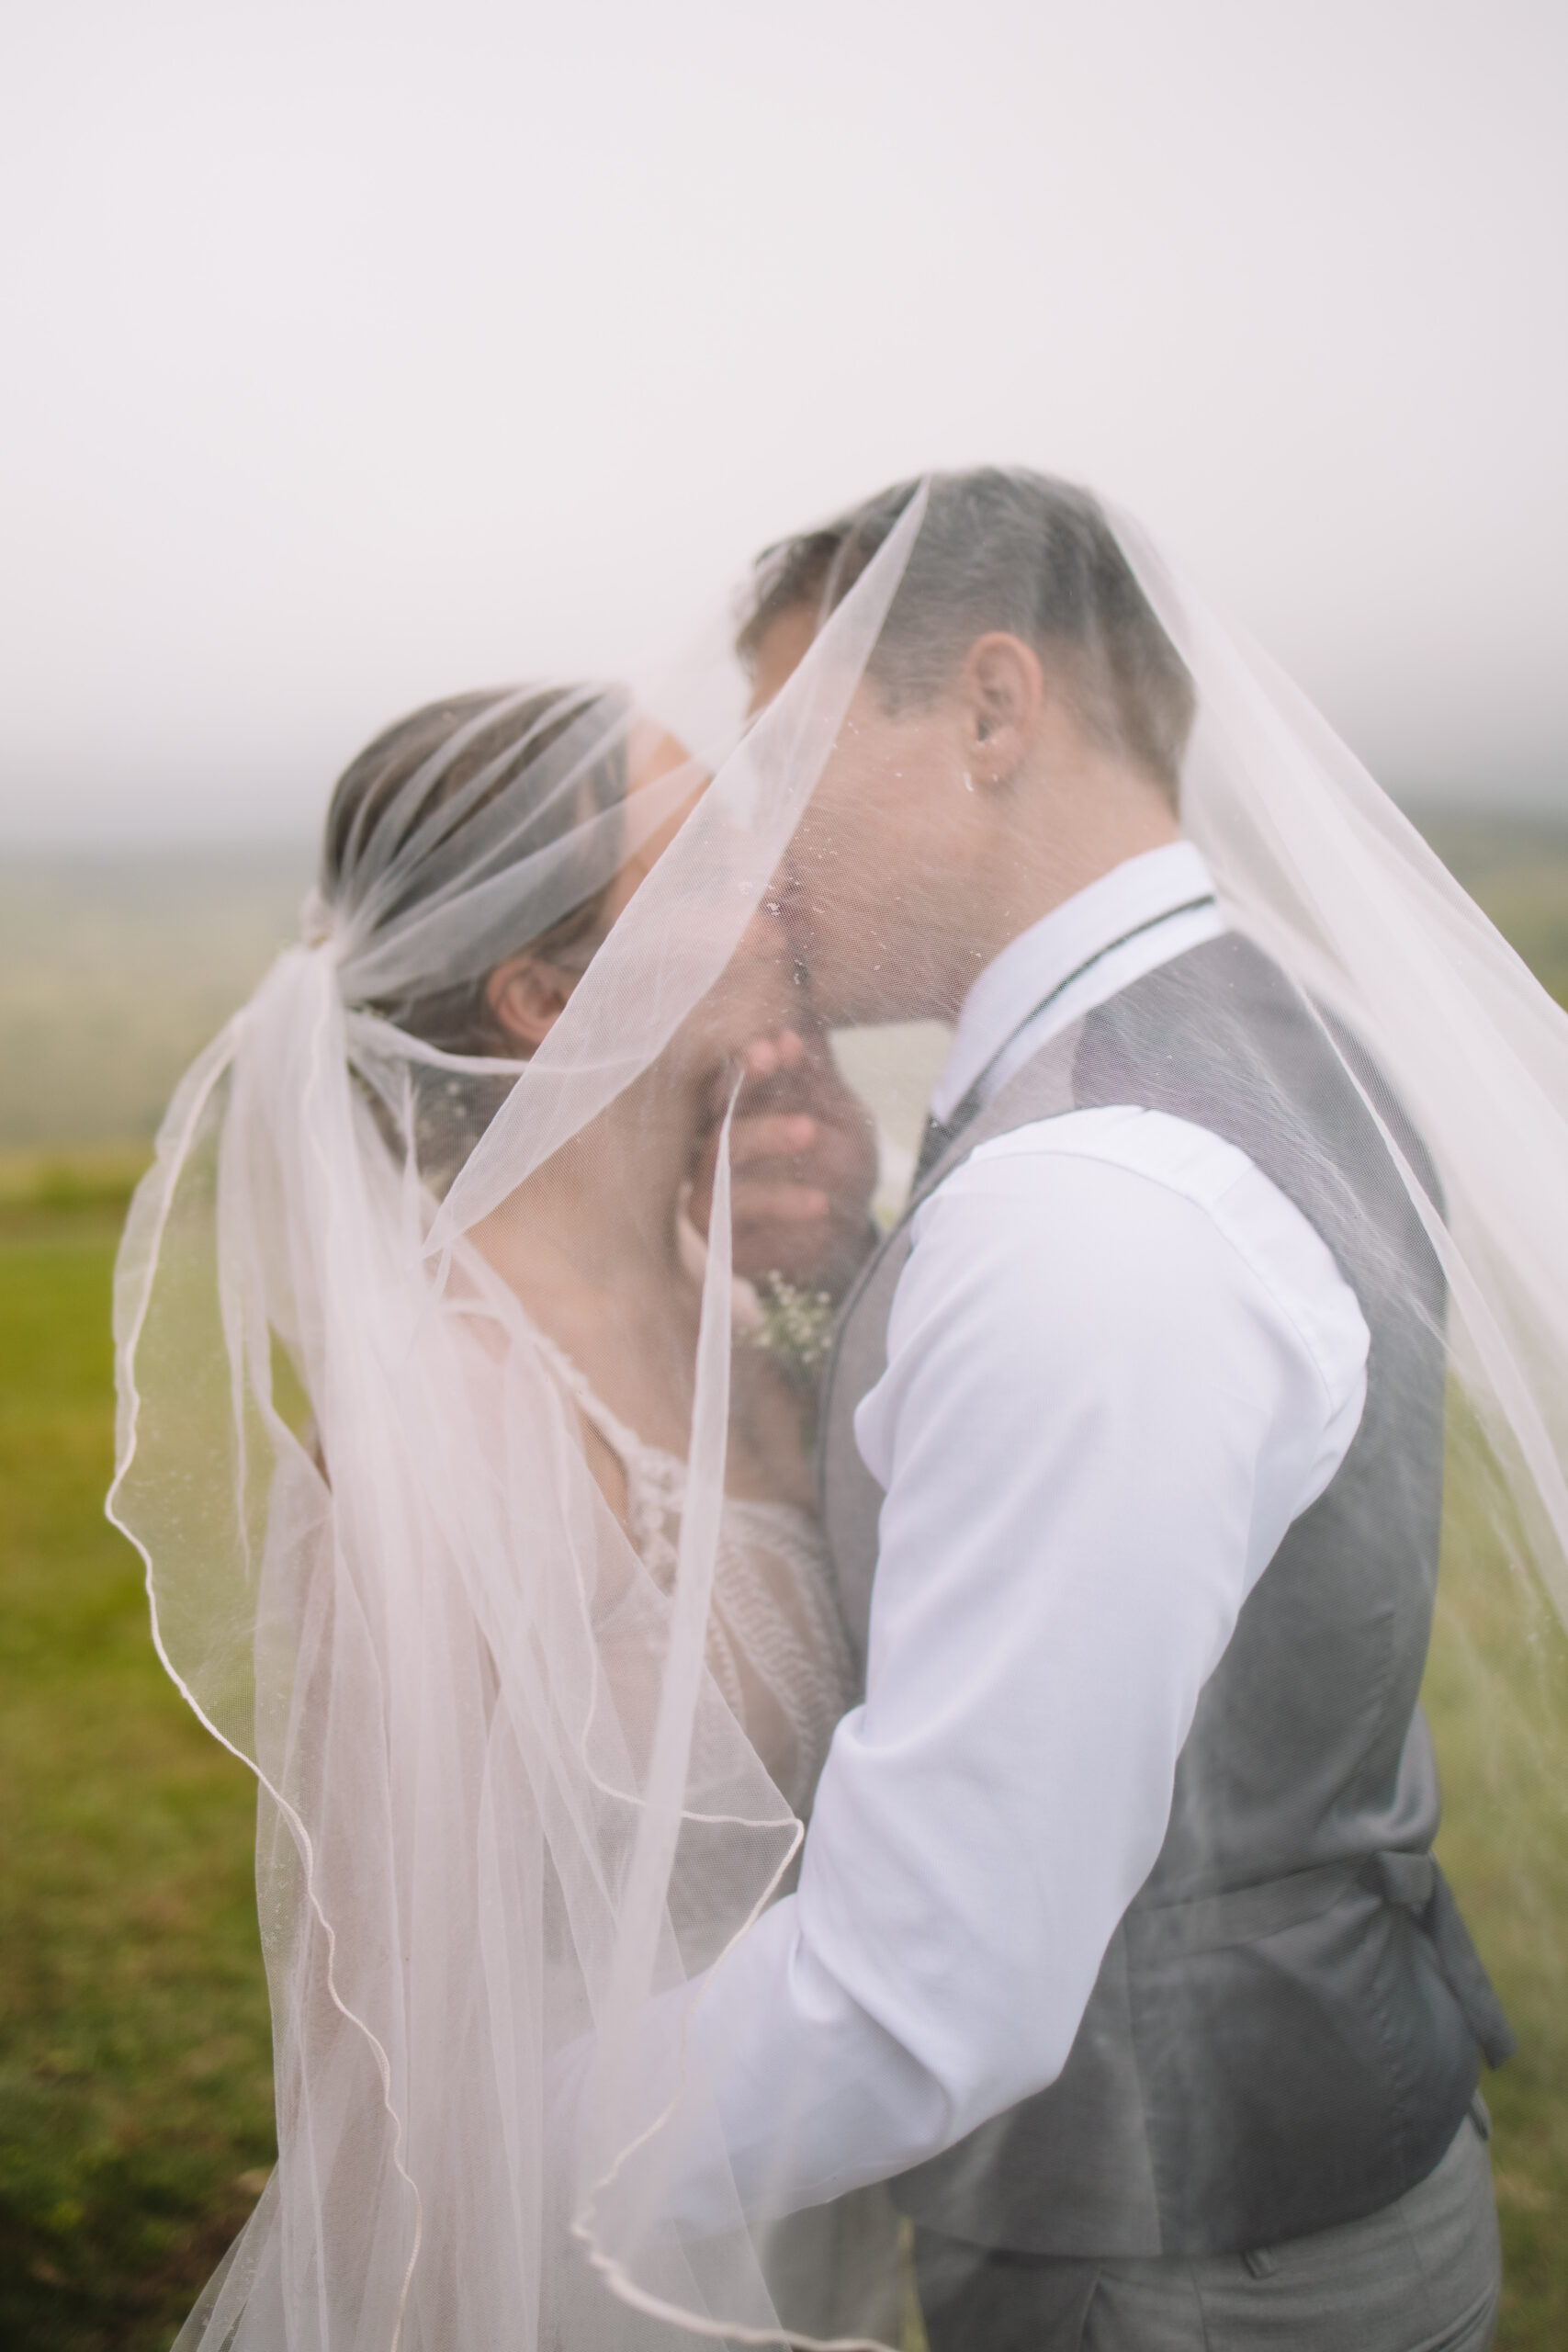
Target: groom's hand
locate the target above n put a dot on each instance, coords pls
(803, 1161)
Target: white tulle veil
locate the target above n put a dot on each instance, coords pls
(505, 1802)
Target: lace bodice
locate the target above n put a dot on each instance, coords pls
(776, 1645)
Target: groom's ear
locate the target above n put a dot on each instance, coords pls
(1003, 690)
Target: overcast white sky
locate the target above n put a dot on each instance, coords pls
(359, 352)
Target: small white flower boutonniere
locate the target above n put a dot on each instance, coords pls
(796, 1327)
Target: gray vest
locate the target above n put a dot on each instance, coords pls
(1283, 2034)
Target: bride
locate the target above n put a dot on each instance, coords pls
(595, 1246)
(476, 1498)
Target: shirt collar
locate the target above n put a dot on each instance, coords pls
(1138, 891)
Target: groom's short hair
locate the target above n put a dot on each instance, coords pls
(998, 549)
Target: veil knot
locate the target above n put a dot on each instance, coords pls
(318, 919)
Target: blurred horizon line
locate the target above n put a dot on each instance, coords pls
(1538, 801)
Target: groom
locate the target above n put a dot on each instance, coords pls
(1118, 1946)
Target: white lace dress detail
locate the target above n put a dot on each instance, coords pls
(776, 1645)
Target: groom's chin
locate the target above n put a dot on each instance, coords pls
(855, 976)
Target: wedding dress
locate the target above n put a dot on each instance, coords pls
(777, 1646)
(777, 1651)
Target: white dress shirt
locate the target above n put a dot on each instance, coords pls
(1119, 1364)
(1170, 889)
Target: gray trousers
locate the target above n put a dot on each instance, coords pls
(1421, 2276)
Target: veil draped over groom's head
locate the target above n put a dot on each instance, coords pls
(506, 1811)
(1006, 551)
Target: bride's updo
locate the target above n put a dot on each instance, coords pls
(463, 834)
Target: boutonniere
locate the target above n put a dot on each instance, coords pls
(795, 1326)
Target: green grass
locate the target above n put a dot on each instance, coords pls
(135, 2093)
(1517, 870)
(1496, 1692)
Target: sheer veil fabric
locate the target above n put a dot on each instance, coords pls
(511, 1805)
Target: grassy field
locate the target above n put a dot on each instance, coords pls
(135, 2115)
(1519, 872)
(1497, 1694)
(115, 972)
(135, 2092)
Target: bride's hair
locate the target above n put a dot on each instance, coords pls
(998, 549)
(404, 826)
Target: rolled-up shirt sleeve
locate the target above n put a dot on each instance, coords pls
(1119, 1363)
